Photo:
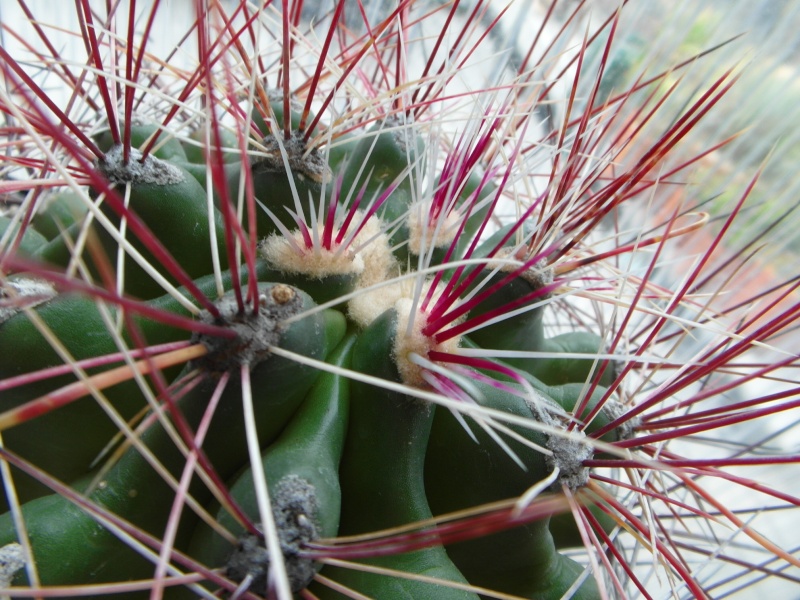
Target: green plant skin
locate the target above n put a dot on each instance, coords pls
(565, 395)
(556, 370)
(563, 528)
(76, 433)
(382, 475)
(276, 104)
(279, 387)
(461, 474)
(177, 215)
(62, 210)
(322, 289)
(565, 531)
(383, 160)
(200, 173)
(171, 150)
(195, 154)
(382, 499)
(31, 240)
(271, 184)
(310, 447)
(553, 579)
(523, 562)
(523, 332)
(312, 444)
(271, 187)
(340, 150)
(71, 548)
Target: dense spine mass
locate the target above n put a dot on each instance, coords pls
(251, 349)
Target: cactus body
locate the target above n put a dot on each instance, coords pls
(325, 339)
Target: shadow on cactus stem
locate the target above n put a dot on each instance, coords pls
(380, 301)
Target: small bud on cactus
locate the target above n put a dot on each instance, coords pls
(342, 307)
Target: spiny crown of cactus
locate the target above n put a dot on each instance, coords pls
(330, 323)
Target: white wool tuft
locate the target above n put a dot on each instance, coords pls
(315, 263)
(423, 233)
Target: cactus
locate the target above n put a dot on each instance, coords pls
(287, 341)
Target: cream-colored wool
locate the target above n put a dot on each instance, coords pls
(315, 263)
(412, 340)
(367, 255)
(423, 233)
